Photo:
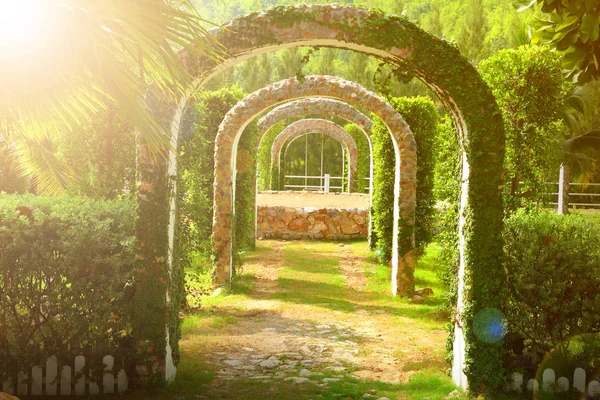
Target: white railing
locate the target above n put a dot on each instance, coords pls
(575, 196)
(550, 383)
(48, 380)
(324, 183)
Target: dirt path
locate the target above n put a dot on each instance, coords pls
(307, 327)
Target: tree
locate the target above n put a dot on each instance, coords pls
(580, 143)
(574, 28)
(528, 86)
(91, 50)
(472, 34)
(290, 63)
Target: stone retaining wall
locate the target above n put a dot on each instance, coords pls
(312, 223)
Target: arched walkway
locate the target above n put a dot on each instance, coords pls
(440, 66)
(321, 106)
(245, 111)
(316, 106)
(320, 126)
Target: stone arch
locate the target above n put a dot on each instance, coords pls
(312, 106)
(245, 111)
(321, 126)
(322, 106)
(469, 101)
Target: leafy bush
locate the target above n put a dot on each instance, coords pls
(422, 117)
(552, 282)
(268, 174)
(196, 177)
(528, 86)
(196, 172)
(66, 280)
(364, 157)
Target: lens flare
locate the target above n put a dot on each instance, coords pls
(490, 325)
(20, 23)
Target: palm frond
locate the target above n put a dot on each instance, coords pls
(92, 50)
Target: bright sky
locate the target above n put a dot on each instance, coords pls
(21, 22)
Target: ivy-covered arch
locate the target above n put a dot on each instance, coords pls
(474, 112)
(321, 106)
(320, 126)
(316, 106)
(236, 120)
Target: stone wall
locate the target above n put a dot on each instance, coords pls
(312, 223)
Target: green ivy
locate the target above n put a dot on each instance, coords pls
(364, 157)
(422, 117)
(474, 112)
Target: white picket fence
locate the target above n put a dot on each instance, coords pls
(550, 384)
(71, 381)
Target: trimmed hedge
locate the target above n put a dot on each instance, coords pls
(196, 177)
(268, 174)
(422, 117)
(552, 294)
(66, 281)
(364, 157)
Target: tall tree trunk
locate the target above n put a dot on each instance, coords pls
(563, 188)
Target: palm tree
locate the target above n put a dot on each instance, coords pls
(581, 142)
(81, 53)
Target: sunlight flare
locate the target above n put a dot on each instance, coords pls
(20, 23)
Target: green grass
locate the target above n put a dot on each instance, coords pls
(311, 278)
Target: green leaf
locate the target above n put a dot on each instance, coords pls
(568, 23)
(589, 27)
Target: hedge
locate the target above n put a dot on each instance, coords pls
(66, 281)
(552, 295)
(422, 117)
(364, 157)
(196, 178)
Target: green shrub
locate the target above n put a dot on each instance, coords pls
(196, 173)
(66, 280)
(364, 157)
(552, 270)
(422, 117)
(528, 86)
(268, 174)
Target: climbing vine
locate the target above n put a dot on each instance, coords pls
(422, 117)
(473, 109)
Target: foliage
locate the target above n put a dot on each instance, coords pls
(552, 281)
(382, 210)
(117, 49)
(364, 157)
(66, 280)
(447, 176)
(11, 181)
(528, 87)
(304, 155)
(102, 154)
(471, 37)
(422, 117)
(574, 28)
(196, 169)
(265, 173)
(475, 114)
(245, 191)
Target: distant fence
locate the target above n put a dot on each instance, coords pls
(318, 183)
(68, 381)
(580, 195)
(550, 384)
